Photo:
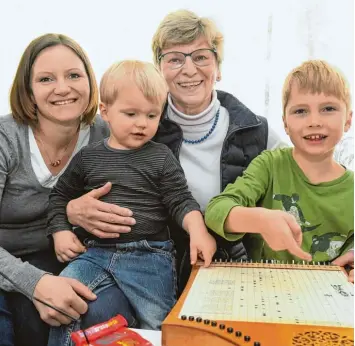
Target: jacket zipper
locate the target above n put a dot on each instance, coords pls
(181, 139)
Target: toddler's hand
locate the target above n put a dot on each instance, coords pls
(67, 246)
(203, 245)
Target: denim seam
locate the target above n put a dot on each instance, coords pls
(174, 278)
(114, 257)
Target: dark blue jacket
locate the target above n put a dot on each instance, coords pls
(246, 138)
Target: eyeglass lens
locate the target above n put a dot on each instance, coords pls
(200, 57)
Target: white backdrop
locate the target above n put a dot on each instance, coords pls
(264, 39)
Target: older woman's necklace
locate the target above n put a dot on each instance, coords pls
(57, 162)
(202, 139)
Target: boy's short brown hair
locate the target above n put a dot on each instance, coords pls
(317, 76)
(144, 75)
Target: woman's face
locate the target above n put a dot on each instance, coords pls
(190, 85)
(60, 85)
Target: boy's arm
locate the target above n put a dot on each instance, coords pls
(221, 214)
(174, 190)
(234, 211)
(185, 210)
(201, 242)
(69, 186)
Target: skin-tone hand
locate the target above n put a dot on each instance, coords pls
(346, 259)
(63, 293)
(202, 244)
(104, 220)
(281, 231)
(67, 246)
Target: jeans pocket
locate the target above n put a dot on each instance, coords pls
(160, 247)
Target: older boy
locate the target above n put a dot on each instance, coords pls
(296, 199)
(147, 179)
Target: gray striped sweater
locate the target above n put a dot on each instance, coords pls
(148, 180)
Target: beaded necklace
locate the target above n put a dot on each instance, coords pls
(202, 139)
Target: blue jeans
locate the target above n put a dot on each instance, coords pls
(6, 325)
(143, 271)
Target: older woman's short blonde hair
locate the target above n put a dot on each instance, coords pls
(183, 27)
(144, 75)
(317, 76)
(22, 104)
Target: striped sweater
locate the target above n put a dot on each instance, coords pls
(149, 181)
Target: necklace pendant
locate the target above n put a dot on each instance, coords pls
(56, 163)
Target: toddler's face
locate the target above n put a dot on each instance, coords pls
(133, 119)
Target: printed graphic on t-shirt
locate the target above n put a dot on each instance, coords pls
(290, 205)
(328, 243)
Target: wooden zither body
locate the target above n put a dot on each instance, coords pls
(263, 304)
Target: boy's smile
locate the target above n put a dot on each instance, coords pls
(315, 138)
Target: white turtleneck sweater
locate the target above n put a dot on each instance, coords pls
(201, 162)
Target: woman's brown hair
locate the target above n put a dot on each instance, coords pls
(21, 101)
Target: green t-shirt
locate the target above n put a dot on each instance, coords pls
(273, 180)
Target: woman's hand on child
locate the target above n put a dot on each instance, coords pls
(67, 246)
(101, 219)
(346, 259)
(281, 231)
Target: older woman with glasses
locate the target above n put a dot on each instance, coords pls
(211, 132)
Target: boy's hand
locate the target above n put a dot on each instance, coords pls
(67, 246)
(281, 231)
(346, 259)
(202, 244)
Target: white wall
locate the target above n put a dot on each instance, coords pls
(264, 39)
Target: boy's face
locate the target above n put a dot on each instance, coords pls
(315, 122)
(133, 120)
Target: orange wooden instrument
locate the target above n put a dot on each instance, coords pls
(263, 304)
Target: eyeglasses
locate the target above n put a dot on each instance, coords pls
(200, 57)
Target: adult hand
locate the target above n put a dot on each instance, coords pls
(281, 231)
(103, 220)
(346, 259)
(63, 293)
